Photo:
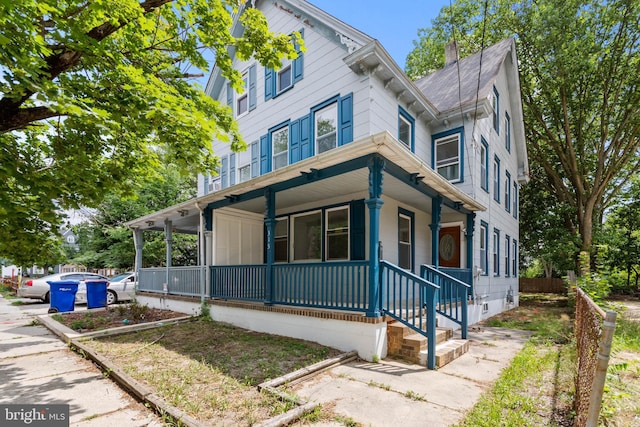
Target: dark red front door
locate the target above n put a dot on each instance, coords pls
(449, 247)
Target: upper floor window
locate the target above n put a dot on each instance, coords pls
(244, 173)
(448, 154)
(514, 210)
(496, 252)
(337, 234)
(507, 191)
(507, 131)
(507, 260)
(514, 258)
(242, 100)
(406, 130)
(290, 72)
(284, 79)
(326, 129)
(242, 103)
(484, 243)
(496, 179)
(484, 165)
(496, 110)
(280, 147)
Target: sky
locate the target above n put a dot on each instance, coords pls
(393, 23)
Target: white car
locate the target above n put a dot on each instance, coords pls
(122, 287)
(39, 288)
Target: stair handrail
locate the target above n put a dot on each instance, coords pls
(458, 288)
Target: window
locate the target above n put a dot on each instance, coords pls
(290, 72)
(71, 239)
(496, 252)
(507, 191)
(326, 129)
(284, 76)
(507, 132)
(242, 100)
(514, 209)
(496, 110)
(307, 236)
(496, 179)
(215, 184)
(337, 234)
(405, 234)
(244, 173)
(484, 243)
(514, 258)
(484, 165)
(406, 131)
(447, 156)
(507, 261)
(281, 240)
(280, 143)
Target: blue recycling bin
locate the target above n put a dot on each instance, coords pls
(62, 295)
(96, 293)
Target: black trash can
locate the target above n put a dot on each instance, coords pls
(96, 293)
(62, 295)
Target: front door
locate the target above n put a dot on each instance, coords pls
(449, 247)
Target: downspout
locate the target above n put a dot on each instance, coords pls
(202, 259)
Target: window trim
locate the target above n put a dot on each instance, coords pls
(237, 97)
(333, 101)
(507, 131)
(484, 263)
(403, 115)
(507, 255)
(281, 127)
(507, 191)
(285, 65)
(484, 180)
(496, 110)
(515, 199)
(514, 258)
(406, 214)
(496, 252)
(325, 232)
(496, 179)
(434, 144)
(292, 233)
(246, 165)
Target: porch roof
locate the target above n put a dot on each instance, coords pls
(184, 217)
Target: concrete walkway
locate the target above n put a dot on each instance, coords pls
(36, 367)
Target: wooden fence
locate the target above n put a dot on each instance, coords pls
(543, 285)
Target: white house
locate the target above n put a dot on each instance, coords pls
(363, 196)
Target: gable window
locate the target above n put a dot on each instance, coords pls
(484, 243)
(496, 110)
(326, 129)
(406, 130)
(337, 234)
(484, 165)
(244, 173)
(281, 240)
(447, 153)
(280, 147)
(507, 261)
(514, 259)
(290, 72)
(514, 209)
(307, 236)
(496, 252)
(405, 239)
(507, 131)
(496, 179)
(507, 191)
(242, 100)
(284, 76)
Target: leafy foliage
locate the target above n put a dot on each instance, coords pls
(91, 90)
(580, 75)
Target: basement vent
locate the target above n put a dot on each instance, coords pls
(485, 307)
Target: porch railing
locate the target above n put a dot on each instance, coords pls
(181, 280)
(335, 285)
(411, 300)
(451, 301)
(239, 282)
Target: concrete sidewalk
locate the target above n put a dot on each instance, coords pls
(36, 367)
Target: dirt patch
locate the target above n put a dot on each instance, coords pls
(113, 316)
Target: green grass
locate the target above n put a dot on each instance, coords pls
(7, 292)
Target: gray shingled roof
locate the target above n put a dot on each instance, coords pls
(441, 87)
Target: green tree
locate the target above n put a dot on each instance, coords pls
(580, 78)
(90, 90)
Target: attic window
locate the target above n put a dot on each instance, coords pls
(284, 77)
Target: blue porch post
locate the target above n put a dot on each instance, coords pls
(471, 217)
(270, 225)
(436, 215)
(376, 165)
(138, 244)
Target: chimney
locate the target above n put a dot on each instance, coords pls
(451, 53)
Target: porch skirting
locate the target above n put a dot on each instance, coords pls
(341, 330)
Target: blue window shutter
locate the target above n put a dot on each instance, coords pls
(255, 159)
(269, 83)
(345, 117)
(232, 169)
(253, 96)
(224, 175)
(230, 96)
(265, 155)
(298, 63)
(294, 141)
(357, 226)
(305, 137)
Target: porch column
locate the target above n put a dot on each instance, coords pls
(138, 244)
(169, 239)
(471, 218)
(270, 225)
(202, 259)
(436, 215)
(376, 165)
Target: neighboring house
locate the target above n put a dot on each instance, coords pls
(362, 193)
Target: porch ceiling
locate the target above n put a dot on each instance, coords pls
(185, 216)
